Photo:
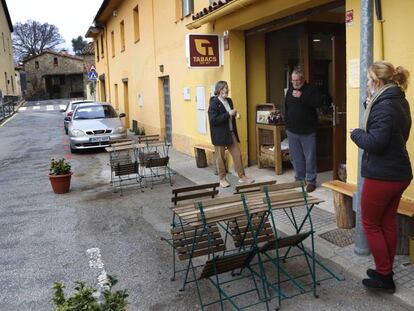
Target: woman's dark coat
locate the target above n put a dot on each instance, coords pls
(385, 154)
(219, 123)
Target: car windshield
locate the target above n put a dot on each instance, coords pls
(95, 112)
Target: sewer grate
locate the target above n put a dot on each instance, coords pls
(339, 237)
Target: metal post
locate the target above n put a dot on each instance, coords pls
(366, 57)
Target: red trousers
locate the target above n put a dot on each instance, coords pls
(379, 204)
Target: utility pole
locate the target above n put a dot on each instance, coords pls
(366, 57)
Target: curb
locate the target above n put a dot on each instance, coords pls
(22, 103)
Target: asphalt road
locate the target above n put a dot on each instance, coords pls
(45, 237)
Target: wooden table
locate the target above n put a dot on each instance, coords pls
(227, 208)
(124, 147)
(276, 130)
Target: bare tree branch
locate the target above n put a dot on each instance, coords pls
(32, 38)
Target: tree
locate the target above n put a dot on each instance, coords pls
(78, 44)
(32, 38)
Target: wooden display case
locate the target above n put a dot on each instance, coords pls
(269, 134)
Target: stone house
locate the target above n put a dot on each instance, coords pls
(54, 75)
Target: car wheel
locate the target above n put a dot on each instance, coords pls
(66, 131)
(72, 150)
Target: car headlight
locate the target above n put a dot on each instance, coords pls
(120, 129)
(77, 133)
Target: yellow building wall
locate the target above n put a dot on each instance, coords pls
(162, 42)
(6, 57)
(398, 49)
(256, 84)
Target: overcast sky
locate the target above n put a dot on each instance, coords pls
(72, 17)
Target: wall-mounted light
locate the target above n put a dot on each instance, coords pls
(161, 68)
(316, 40)
(115, 13)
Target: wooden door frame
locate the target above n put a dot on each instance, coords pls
(126, 101)
(337, 31)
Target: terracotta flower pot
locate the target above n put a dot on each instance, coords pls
(60, 183)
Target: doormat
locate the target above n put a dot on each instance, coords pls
(339, 237)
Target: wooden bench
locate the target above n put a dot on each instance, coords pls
(342, 197)
(343, 193)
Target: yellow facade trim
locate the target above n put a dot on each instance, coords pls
(226, 9)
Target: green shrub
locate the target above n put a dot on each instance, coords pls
(59, 167)
(84, 298)
(140, 131)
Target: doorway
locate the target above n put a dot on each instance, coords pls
(102, 88)
(167, 108)
(319, 49)
(126, 102)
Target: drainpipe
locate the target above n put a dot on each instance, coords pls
(109, 99)
(366, 56)
(378, 12)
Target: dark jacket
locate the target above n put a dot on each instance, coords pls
(300, 113)
(385, 155)
(219, 123)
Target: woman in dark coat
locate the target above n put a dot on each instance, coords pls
(223, 131)
(385, 166)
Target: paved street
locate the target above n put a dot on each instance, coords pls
(45, 237)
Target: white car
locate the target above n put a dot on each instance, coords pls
(69, 111)
(95, 125)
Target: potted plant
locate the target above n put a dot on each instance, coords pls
(87, 298)
(60, 175)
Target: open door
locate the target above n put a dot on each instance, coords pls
(327, 70)
(339, 101)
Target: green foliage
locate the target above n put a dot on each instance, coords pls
(59, 167)
(140, 131)
(92, 87)
(84, 298)
(78, 44)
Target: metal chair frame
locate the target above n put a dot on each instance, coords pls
(154, 162)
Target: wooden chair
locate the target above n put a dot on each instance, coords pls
(148, 138)
(239, 259)
(124, 169)
(288, 197)
(154, 162)
(182, 236)
(254, 187)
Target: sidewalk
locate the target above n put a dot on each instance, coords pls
(323, 219)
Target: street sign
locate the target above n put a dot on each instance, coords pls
(92, 75)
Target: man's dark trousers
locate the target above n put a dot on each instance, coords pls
(302, 151)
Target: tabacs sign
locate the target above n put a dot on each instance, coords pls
(203, 51)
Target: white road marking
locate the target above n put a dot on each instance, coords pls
(49, 107)
(8, 120)
(62, 106)
(95, 262)
(22, 108)
(36, 107)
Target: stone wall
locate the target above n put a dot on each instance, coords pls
(67, 66)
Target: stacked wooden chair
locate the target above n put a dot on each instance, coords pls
(124, 165)
(154, 159)
(182, 235)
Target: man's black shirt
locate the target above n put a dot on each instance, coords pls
(300, 113)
